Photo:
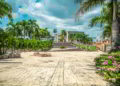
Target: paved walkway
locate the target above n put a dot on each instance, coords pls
(62, 69)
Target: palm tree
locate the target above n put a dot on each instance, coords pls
(105, 19)
(43, 33)
(63, 32)
(33, 29)
(5, 9)
(12, 28)
(3, 41)
(24, 25)
(54, 31)
(72, 37)
(89, 4)
(107, 31)
(18, 29)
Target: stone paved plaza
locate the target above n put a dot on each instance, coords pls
(72, 68)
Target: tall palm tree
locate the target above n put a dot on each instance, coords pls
(24, 24)
(12, 29)
(33, 28)
(18, 29)
(5, 9)
(89, 4)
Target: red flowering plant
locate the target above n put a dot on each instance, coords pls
(109, 65)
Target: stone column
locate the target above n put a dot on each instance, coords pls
(67, 38)
(57, 38)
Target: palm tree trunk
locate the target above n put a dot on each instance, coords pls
(115, 27)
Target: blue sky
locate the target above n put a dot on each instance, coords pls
(59, 14)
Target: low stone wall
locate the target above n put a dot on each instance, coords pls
(6, 56)
(103, 46)
(67, 45)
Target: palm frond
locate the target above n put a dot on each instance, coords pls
(97, 20)
(105, 16)
(5, 9)
(88, 4)
(107, 31)
(78, 1)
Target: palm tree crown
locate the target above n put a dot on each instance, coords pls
(5, 9)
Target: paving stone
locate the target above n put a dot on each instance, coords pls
(73, 68)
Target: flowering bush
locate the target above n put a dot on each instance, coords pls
(110, 57)
(109, 67)
(105, 62)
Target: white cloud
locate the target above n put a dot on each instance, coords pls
(38, 5)
(55, 22)
(95, 11)
(91, 13)
(15, 15)
(44, 17)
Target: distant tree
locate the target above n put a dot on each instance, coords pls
(44, 33)
(80, 37)
(62, 39)
(63, 32)
(63, 35)
(54, 31)
(71, 37)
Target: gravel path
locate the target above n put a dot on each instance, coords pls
(62, 69)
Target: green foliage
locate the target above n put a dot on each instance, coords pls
(5, 9)
(86, 47)
(33, 44)
(81, 37)
(54, 31)
(63, 32)
(108, 65)
(25, 34)
(27, 28)
(62, 35)
(62, 47)
(62, 38)
(105, 19)
(18, 43)
(46, 45)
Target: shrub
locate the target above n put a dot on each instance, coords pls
(86, 47)
(32, 44)
(62, 47)
(109, 66)
(45, 45)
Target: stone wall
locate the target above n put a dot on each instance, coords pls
(103, 45)
(6, 56)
